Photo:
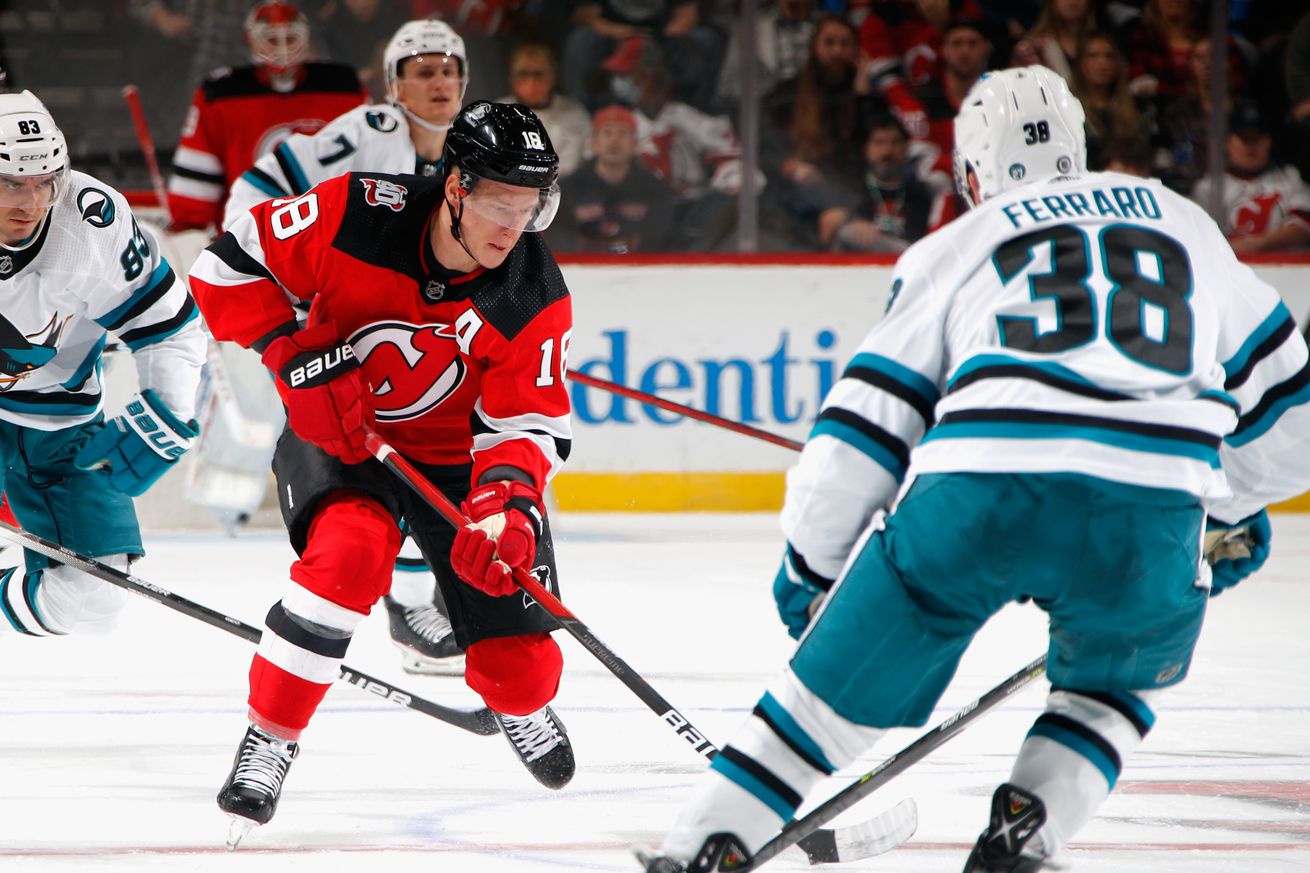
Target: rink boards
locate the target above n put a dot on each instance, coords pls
(754, 340)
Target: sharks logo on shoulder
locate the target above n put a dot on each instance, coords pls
(96, 207)
(21, 354)
(381, 121)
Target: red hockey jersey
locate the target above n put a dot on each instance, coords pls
(462, 365)
(235, 117)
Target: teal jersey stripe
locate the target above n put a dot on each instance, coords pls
(1270, 418)
(263, 186)
(150, 339)
(1223, 397)
(160, 274)
(915, 381)
(1077, 744)
(852, 437)
(978, 362)
(72, 410)
(1137, 705)
(1118, 439)
(1258, 336)
(291, 163)
(754, 786)
(788, 725)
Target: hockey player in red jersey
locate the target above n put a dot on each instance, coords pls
(240, 114)
(439, 317)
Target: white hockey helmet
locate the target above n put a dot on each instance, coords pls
(33, 153)
(278, 35)
(426, 36)
(1015, 127)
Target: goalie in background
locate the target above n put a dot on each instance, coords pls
(1068, 380)
(426, 74)
(74, 267)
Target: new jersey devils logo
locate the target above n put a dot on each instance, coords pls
(380, 192)
(413, 367)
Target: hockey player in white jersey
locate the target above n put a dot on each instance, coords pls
(426, 72)
(1068, 380)
(75, 266)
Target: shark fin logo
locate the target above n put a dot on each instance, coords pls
(96, 207)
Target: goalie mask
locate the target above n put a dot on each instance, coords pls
(1016, 127)
(504, 143)
(278, 36)
(33, 154)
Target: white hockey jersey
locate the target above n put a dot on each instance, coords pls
(1097, 325)
(91, 270)
(373, 139)
(1260, 204)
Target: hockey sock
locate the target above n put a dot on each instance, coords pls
(299, 656)
(59, 600)
(515, 675)
(1074, 753)
(791, 743)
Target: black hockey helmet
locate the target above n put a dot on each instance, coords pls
(505, 142)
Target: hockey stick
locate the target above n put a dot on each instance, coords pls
(844, 844)
(133, 99)
(417, 482)
(478, 721)
(690, 412)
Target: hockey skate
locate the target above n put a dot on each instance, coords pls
(252, 789)
(1016, 816)
(720, 852)
(542, 744)
(425, 639)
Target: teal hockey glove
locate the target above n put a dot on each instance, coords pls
(1232, 560)
(138, 446)
(797, 590)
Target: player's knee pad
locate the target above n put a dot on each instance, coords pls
(515, 675)
(1075, 751)
(349, 553)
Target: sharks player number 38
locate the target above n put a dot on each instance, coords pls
(74, 267)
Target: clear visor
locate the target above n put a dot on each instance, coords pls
(512, 206)
(33, 192)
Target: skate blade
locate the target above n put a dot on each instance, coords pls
(421, 665)
(237, 830)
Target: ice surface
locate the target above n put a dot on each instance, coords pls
(112, 748)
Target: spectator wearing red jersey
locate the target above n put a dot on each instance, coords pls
(966, 54)
(1161, 50)
(240, 114)
(1266, 204)
(900, 43)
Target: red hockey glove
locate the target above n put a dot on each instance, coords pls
(506, 520)
(328, 401)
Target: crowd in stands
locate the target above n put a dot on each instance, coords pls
(856, 100)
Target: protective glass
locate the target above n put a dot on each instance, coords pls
(513, 206)
(33, 192)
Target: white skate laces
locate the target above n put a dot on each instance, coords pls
(533, 735)
(264, 762)
(428, 622)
